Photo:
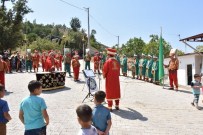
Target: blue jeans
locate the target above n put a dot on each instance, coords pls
(37, 131)
(196, 98)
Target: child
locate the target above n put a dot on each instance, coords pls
(84, 113)
(33, 111)
(4, 109)
(101, 115)
(196, 85)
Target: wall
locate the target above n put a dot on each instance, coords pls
(183, 62)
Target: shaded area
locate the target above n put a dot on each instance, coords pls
(130, 114)
(179, 90)
(8, 93)
(56, 90)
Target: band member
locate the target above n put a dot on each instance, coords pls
(43, 60)
(137, 67)
(87, 60)
(141, 66)
(103, 59)
(144, 64)
(3, 69)
(149, 69)
(155, 71)
(50, 62)
(111, 72)
(18, 62)
(29, 61)
(67, 63)
(59, 59)
(96, 62)
(6, 58)
(124, 65)
(76, 67)
(133, 67)
(173, 68)
(35, 60)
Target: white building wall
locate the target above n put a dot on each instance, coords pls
(198, 62)
(182, 72)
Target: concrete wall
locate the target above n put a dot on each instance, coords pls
(198, 62)
(183, 62)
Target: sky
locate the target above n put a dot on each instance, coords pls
(126, 18)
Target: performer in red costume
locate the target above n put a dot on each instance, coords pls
(96, 62)
(50, 62)
(3, 69)
(76, 66)
(111, 72)
(59, 59)
(43, 60)
(35, 60)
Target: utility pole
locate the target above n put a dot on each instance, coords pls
(118, 42)
(88, 19)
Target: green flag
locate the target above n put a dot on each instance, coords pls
(161, 59)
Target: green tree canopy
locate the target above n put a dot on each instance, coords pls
(75, 24)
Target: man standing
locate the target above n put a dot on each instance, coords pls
(76, 67)
(172, 69)
(124, 66)
(3, 69)
(28, 61)
(144, 64)
(111, 71)
(155, 70)
(87, 60)
(35, 61)
(18, 62)
(96, 62)
(137, 67)
(67, 63)
(43, 60)
(50, 62)
(149, 69)
(141, 66)
(103, 59)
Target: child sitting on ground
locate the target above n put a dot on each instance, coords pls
(84, 113)
(196, 85)
(4, 109)
(101, 115)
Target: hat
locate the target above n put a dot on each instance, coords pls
(149, 56)
(111, 51)
(154, 57)
(143, 54)
(135, 55)
(5, 51)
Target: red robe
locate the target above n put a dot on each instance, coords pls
(35, 61)
(43, 60)
(59, 59)
(50, 64)
(76, 68)
(111, 71)
(3, 69)
(96, 63)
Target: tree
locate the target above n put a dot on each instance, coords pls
(180, 53)
(75, 24)
(200, 48)
(133, 46)
(11, 25)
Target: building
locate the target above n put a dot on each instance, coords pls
(189, 64)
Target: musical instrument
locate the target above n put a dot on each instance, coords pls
(51, 80)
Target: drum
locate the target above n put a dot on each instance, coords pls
(46, 79)
(59, 78)
(51, 80)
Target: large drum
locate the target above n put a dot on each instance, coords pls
(52, 80)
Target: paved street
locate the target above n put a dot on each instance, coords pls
(146, 109)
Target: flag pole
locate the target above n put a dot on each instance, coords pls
(161, 58)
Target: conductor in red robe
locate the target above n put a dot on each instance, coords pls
(111, 72)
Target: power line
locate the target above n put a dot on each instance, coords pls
(71, 5)
(102, 27)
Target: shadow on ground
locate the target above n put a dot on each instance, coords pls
(55, 91)
(8, 93)
(130, 114)
(183, 91)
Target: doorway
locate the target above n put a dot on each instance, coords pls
(189, 74)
